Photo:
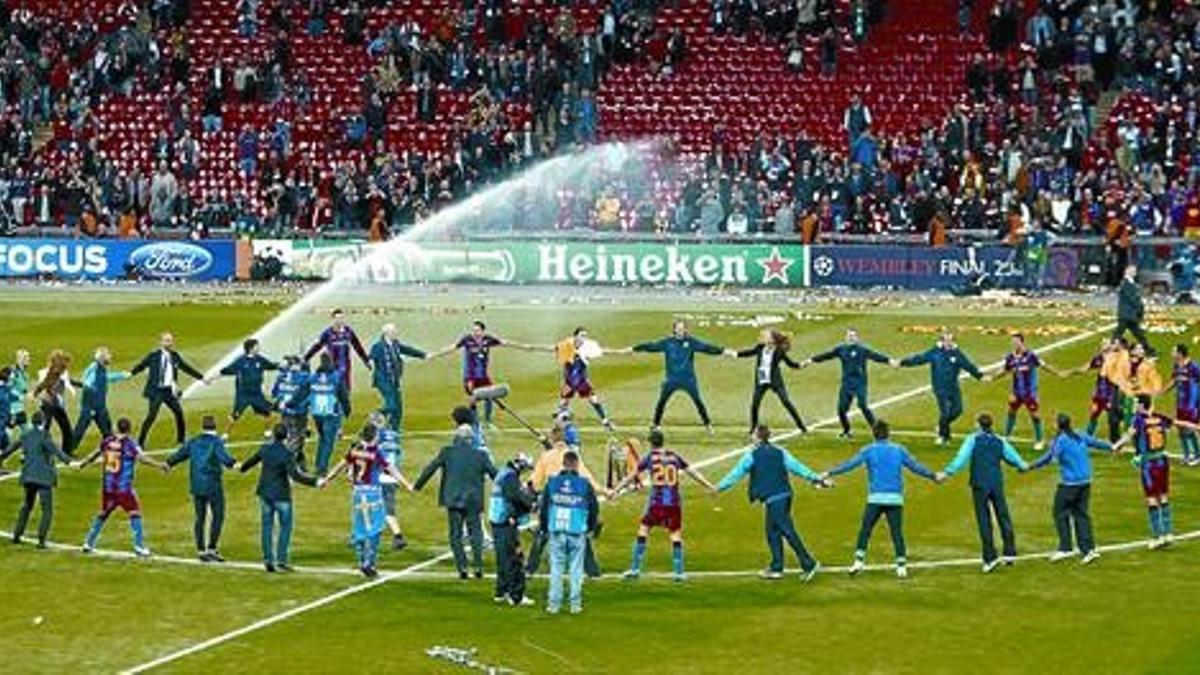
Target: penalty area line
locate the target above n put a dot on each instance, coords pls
(904, 396)
(285, 615)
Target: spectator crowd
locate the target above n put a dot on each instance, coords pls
(1076, 116)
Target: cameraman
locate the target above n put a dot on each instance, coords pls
(510, 506)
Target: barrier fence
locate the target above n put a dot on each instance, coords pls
(759, 264)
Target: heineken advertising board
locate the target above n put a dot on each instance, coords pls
(530, 262)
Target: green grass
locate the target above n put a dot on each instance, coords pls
(105, 615)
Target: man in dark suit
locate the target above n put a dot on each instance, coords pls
(39, 476)
(769, 353)
(162, 367)
(1131, 310)
(463, 468)
(275, 495)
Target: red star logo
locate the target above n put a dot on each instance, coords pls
(775, 267)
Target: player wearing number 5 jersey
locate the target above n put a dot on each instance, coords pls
(365, 464)
(1148, 432)
(120, 455)
(664, 507)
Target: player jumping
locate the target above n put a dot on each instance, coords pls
(121, 454)
(574, 355)
(363, 464)
(1148, 432)
(664, 507)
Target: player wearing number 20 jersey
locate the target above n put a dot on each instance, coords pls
(664, 506)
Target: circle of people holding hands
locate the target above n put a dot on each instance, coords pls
(557, 487)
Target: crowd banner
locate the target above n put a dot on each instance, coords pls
(208, 260)
(949, 267)
(557, 262)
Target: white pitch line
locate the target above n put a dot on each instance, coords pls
(903, 396)
(284, 616)
(417, 572)
(9, 476)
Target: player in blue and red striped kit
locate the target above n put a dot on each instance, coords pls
(1024, 365)
(365, 464)
(664, 506)
(476, 348)
(1185, 380)
(121, 455)
(1148, 433)
(337, 340)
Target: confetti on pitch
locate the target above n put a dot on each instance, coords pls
(465, 658)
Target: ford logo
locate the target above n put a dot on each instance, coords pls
(171, 260)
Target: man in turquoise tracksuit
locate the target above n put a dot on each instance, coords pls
(946, 361)
(207, 459)
(387, 370)
(984, 450)
(1071, 450)
(247, 371)
(325, 390)
(853, 356)
(679, 354)
(569, 511)
(93, 401)
(885, 463)
(768, 466)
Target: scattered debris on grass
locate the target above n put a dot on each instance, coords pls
(465, 658)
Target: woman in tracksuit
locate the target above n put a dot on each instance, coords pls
(769, 353)
(1071, 450)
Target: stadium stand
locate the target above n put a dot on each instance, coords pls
(291, 117)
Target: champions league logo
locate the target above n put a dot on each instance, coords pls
(823, 265)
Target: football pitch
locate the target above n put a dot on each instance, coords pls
(1133, 611)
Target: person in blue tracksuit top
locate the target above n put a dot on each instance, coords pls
(854, 357)
(387, 373)
(885, 462)
(93, 400)
(207, 458)
(945, 362)
(768, 466)
(1071, 450)
(569, 511)
(293, 409)
(984, 451)
(679, 354)
(247, 371)
(325, 390)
